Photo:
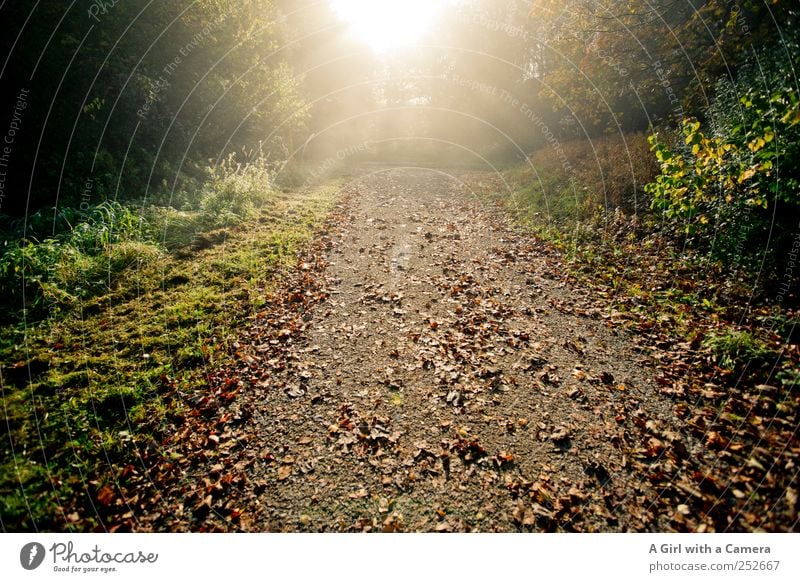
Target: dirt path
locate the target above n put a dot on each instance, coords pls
(420, 372)
(437, 387)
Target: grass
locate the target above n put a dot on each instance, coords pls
(87, 387)
(730, 346)
(562, 185)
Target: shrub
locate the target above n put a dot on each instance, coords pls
(742, 160)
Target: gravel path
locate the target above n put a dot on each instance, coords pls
(437, 386)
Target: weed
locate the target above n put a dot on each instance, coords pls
(234, 191)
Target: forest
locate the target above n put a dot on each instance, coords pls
(443, 265)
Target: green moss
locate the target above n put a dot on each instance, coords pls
(98, 365)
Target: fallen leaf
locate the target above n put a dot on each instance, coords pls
(284, 471)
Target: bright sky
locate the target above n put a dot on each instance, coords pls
(388, 24)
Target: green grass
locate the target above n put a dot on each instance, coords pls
(732, 346)
(85, 386)
(561, 186)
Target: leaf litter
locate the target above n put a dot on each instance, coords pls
(428, 367)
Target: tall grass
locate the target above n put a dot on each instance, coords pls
(86, 254)
(234, 191)
(570, 181)
(38, 276)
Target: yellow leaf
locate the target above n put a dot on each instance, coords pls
(756, 144)
(747, 174)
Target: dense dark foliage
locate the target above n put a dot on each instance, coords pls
(129, 100)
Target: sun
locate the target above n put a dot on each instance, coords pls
(388, 24)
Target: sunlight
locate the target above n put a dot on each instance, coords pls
(388, 24)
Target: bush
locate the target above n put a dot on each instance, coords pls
(742, 160)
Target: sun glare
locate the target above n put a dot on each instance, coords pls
(388, 24)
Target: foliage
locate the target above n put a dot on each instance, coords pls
(147, 92)
(626, 64)
(719, 172)
(743, 160)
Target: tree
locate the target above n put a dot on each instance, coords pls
(136, 97)
(627, 64)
